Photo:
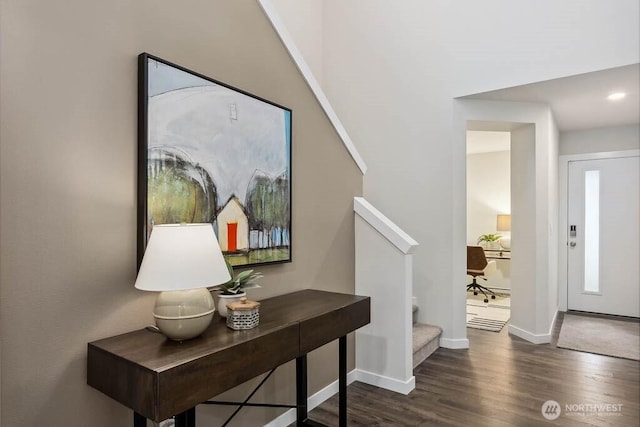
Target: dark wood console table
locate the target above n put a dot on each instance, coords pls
(159, 378)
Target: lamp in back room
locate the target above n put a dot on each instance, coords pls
(182, 261)
(503, 223)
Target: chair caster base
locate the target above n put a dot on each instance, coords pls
(486, 300)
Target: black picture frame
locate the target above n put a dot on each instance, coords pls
(210, 152)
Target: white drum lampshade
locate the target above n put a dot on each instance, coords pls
(503, 222)
(182, 261)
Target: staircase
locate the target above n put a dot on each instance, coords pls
(426, 339)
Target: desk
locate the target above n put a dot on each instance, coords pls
(498, 253)
(500, 282)
(159, 378)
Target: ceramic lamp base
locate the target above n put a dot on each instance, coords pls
(182, 315)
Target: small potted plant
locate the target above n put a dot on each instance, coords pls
(491, 241)
(233, 290)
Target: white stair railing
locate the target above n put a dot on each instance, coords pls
(384, 356)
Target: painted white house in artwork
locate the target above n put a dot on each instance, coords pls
(233, 227)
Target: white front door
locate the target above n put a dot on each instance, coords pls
(604, 237)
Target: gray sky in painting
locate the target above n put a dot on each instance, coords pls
(163, 78)
(228, 133)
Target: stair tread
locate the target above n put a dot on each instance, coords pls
(423, 334)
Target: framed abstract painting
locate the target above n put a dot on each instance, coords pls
(212, 153)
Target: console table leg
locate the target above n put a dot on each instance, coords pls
(342, 381)
(186, 418)
(139, 420)
(301, 390)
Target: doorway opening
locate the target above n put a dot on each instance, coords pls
(489, 224)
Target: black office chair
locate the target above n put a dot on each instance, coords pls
(476, 264)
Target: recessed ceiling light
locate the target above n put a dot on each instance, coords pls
(616, 96)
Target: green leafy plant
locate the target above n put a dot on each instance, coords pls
(243, 280)
(489, 238)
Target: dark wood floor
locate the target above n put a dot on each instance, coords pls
(501, 380)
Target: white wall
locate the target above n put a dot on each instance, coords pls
(616, 138)
(523, 258)
(384, 353)
(391, 71)
(553, 215)
(488, 192)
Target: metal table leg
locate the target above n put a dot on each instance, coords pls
(301, 390)
(342, 381)
(186, 418)
(139, 420)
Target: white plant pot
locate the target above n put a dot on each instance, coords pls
(493, 245)
(223, 300)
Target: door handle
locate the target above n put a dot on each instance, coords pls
(572, 244)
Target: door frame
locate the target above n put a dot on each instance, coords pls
(563, 181)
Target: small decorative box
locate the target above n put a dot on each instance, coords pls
(243, 314)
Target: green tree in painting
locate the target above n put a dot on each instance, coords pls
(267, 205)
(281, 204)
(178, 191)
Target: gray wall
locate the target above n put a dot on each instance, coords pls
(68, 187)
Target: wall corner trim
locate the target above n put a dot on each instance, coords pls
(393, 384)
(454, 343)
(271, 13)
(401, 240)
(529, 336)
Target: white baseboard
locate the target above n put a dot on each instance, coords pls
(283, 420)
(553, 324)
(454, 344)
(528, 336)
(404, 387)
(312, 401)
(377, 380)
(535, 338)
(500, 290)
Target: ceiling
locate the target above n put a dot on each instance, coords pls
(580, 102)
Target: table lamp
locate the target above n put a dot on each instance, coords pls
(503, 222)
(181, 261)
